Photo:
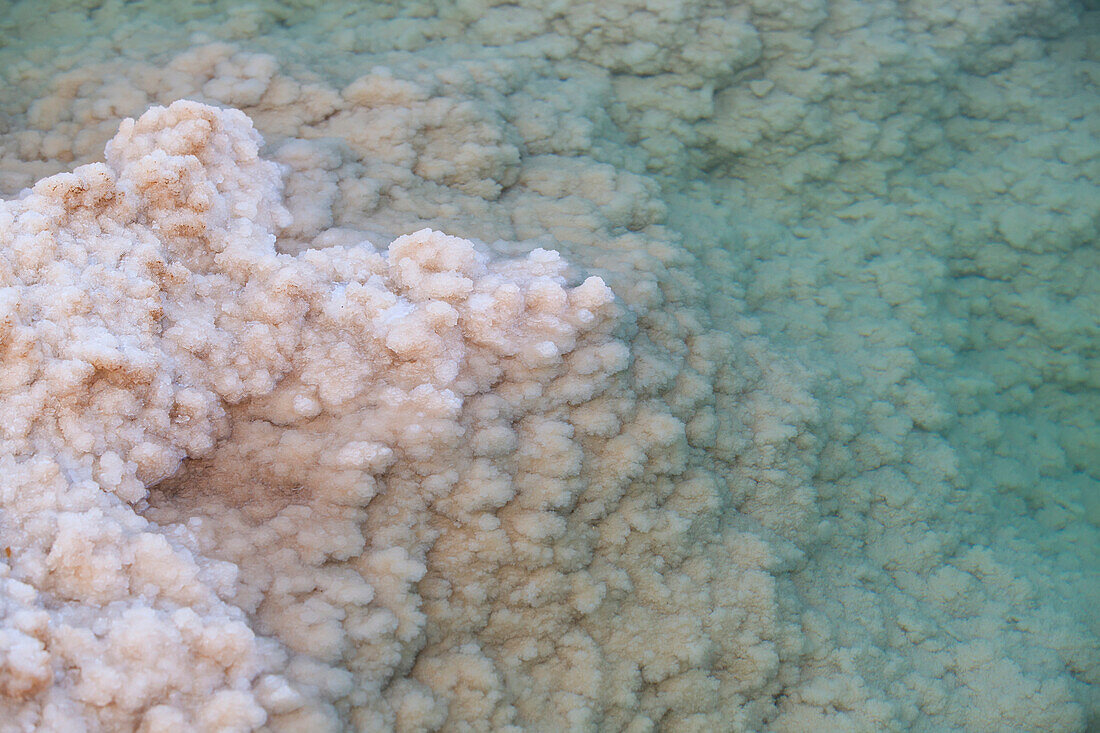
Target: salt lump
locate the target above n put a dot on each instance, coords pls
(408, 489)
(147, 319)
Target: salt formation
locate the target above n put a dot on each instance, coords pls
(420, 487)
(436, 521)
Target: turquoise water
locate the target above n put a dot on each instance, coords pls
(855, 246)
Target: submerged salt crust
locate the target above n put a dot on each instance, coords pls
(280, 454)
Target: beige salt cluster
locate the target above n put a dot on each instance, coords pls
(398, 487)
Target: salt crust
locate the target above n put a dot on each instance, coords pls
(878, 161)
(417, 488)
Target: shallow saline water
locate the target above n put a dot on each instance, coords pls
(550, 365)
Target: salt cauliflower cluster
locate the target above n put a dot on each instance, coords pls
(144, 308)
(825, 461)
(410, 497)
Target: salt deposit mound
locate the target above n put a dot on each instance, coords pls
(400, 488)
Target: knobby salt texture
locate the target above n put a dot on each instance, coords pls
(419, 486)
(901, 195)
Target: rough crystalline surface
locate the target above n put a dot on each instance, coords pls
(277, 454)
(147, 320)
(353, 486)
